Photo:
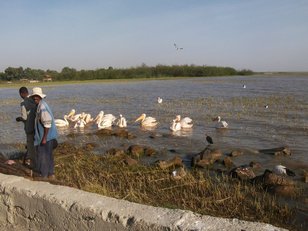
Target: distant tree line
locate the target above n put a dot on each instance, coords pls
(143, 71)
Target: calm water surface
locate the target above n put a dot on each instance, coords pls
(252, 126)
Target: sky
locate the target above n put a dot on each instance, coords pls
(260, 35)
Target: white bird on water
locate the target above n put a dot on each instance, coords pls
(80, 123)
(62, 123)
(186, 122)
(220, 123)
(72, 116)
(147, 121)
(105, 120)
(282, 170)
(159, 100)
(175, 126)
(121, 122)
(244, 86)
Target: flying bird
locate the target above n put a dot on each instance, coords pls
(177, 48)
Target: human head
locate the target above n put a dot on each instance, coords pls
(23, 92)
(37, 94)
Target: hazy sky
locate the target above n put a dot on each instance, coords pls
(261, 35)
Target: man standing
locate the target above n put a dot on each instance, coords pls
(45, 135)
(28, 109)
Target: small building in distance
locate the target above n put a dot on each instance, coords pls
(47, 78)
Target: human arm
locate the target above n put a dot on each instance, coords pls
(44, 139)
(23, 113)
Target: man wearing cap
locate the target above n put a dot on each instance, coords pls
(28, 109)
(45, 135)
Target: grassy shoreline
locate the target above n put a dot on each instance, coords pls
(196, 190)
(17, 84)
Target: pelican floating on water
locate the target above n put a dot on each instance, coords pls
(175, 126)
(72, 116)
(105, 121)
(220, 123)
(62, 122)
(121, 122)
(282, 170)
(147, 121)
(186, 122)
(80, 123)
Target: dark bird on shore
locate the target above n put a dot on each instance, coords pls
(209, 139)
(282, 170)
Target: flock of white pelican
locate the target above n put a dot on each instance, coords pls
(103, 121)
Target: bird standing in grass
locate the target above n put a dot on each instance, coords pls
(282, 170)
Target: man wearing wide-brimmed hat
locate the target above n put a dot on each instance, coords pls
(45, 134)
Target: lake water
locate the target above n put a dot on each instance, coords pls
(252, 126)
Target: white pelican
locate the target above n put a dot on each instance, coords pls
(220, 123)
(101, 116)
(121, 122)
(80, 123)
(176, 126)
(159, 100)
(105, 121)
(72, 116)
(62, 123)
(147, 121)
(282, 170)
(87, 118)
(185, 122)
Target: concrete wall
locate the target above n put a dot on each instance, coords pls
(33, 205)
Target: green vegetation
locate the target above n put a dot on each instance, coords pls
(143, 71)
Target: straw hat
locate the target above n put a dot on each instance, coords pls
(37, 91)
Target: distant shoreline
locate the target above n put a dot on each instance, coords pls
(16, 84)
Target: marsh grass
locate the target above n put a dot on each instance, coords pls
(196, 191)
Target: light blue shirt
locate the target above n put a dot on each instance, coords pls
(44, 118)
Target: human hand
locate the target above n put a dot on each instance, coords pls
(18, 119)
